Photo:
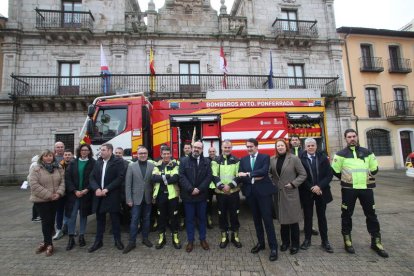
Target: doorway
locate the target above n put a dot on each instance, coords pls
(406, 137)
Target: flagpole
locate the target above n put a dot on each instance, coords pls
(270, 77)
(223, 66)
(152, 70)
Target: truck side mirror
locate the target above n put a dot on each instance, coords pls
(89, 127)
(91, 110)
(127, 152)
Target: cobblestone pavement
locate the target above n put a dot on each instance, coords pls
(394, 201)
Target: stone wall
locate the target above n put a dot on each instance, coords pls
(34, 132)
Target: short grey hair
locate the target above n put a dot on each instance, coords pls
(310, 140)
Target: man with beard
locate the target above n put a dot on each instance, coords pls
(195, 178)
(105, 181)
(356, 166)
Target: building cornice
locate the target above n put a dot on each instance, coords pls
(376, 32)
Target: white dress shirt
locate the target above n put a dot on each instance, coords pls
(103, 173)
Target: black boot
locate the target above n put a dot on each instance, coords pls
(348, 243)
(176, 241)
(82, 242)
(377, 245)
(235, 239)
(224, 239)
(71, 243)
(161, 241)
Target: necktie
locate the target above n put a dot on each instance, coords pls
(313, 158)
(252, 160)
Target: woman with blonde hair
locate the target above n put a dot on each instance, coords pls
(47, 185)
(288, 173)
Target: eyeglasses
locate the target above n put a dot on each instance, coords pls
(142, 153)
(194, 147)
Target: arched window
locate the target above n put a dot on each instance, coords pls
(379, 142)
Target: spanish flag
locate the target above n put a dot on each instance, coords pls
(152, 71)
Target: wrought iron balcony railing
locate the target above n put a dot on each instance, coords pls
(293, 28)
(59, 19)
(164, 86)
(399, 109)
(399, 65)
(371, 64)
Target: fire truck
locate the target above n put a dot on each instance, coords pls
(131, 120)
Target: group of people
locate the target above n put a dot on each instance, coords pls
(285, 186)
(60, 190)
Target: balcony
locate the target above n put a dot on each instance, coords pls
(371, 64)
(400, 112)
(399, 65)
(40, 93)
(64, 25)
(295, 32)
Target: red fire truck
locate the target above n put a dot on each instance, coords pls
(130, 120)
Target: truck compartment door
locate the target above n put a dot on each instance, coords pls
(175, 142)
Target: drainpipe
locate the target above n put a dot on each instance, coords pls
(350, 82)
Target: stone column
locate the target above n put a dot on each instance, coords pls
(254, 52)
(11, 57)
(152, 16)
(330, 19)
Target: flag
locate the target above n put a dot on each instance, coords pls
(223, 67)
(152, 71)
(105, 74)
(270, 77)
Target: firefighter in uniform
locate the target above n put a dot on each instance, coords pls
(166, 192)
(355, 167)
(225, 170)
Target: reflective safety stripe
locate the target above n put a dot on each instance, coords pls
(359, 170)
(350, 185)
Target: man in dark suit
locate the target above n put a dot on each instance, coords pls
(195, 178)
(296, 149)
(105, 180)
(258, 190)
(316, 191)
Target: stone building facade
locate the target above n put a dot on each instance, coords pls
(52, 49)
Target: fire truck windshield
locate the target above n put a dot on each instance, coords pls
(109, 123)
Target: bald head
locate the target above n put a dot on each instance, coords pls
(59, 148)
(212, 153)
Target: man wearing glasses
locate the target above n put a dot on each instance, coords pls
(138, 194)
(195, 177)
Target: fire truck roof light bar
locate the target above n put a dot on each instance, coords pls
(98, 99)
(193, 118)
(304, 116)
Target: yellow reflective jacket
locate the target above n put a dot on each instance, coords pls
(225, 170)
(166, 174)
(356, 167)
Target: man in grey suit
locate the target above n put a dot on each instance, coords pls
(138, 194)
